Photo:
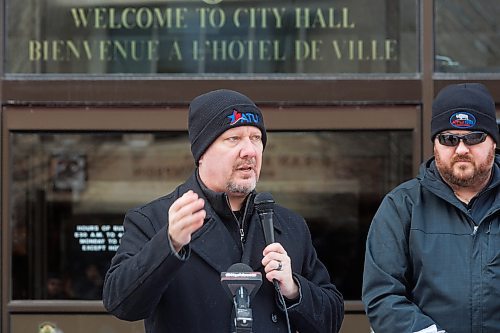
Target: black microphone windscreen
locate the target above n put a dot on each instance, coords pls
(263, 201)
(239, 267)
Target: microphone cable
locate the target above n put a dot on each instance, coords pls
(283, 304)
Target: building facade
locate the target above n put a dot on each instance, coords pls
(94, 98)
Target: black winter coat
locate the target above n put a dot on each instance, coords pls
(148, 281)
(429, 261)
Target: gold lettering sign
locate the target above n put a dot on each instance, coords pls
(209, 32)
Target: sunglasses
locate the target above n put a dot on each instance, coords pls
(470, 139)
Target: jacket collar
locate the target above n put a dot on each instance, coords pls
(212, 242)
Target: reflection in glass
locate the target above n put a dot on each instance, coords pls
(467, 36)
(68, 196)
(70, 191)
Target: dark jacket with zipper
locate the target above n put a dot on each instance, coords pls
(430, 259)
(147, 280)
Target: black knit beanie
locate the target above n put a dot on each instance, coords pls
(215, 112)
(465, 106)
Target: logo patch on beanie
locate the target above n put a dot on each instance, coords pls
(238, 117)
(462, 120)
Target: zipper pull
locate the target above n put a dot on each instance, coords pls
(242, 235)
(475, 230)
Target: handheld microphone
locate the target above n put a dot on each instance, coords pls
(264, 204)
(241, 284)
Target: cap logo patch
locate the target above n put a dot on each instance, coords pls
(462, 120)
(248, 117)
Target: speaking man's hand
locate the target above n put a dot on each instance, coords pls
(185, 216)
(278, 265)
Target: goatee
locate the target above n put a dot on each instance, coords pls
(237, 189)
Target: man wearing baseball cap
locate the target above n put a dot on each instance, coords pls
(432, 259)
(168, 267)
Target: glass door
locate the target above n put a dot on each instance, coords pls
(72, 174)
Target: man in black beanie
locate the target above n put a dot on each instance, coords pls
(175, 249)
(432, 259)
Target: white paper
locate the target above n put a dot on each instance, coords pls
(430, 329)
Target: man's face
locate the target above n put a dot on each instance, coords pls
(465, 165)
(233, 161)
